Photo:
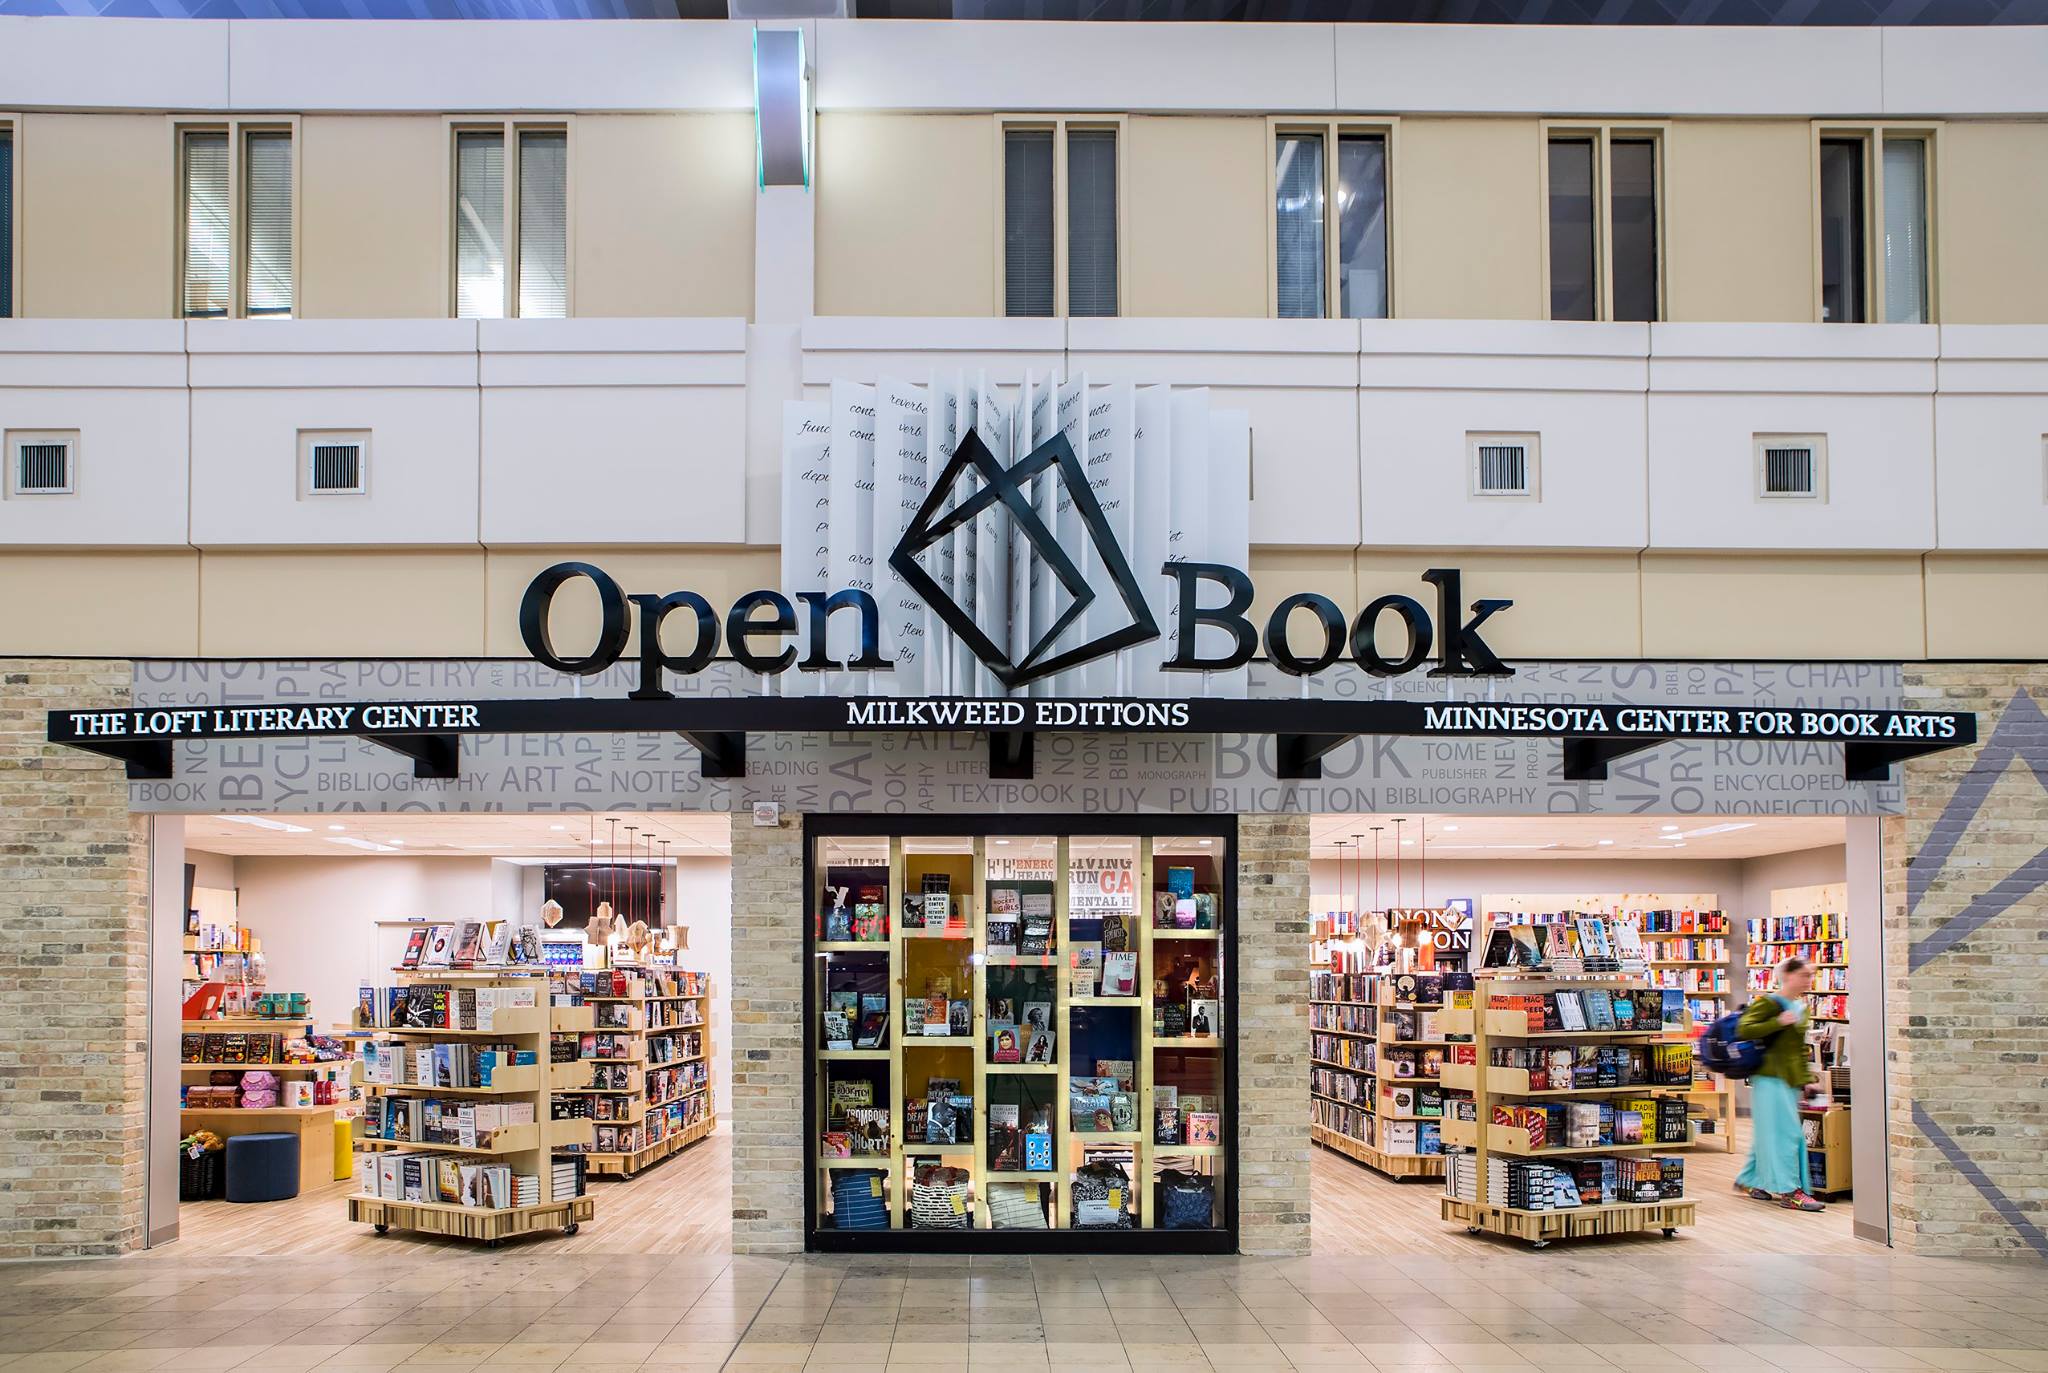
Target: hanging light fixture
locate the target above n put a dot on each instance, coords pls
(1399, 821)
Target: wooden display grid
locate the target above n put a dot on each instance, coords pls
(529, 1148)
(624, 1163)
(1485, 1139)
(1069, 1147)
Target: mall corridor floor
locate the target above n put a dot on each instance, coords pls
(447, 1308)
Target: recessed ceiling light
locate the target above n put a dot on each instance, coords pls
(1208, 843)
(558, 828)
(1407, 843)
(1002, 841)
(395, 843)
(1668, 829)
(337, 828)
(1606, 841)
(264, 822)
(1450, 829)
(366, 845)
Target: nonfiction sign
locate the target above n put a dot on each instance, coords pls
(936, 771)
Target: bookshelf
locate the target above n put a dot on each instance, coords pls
(216, 1055)
(651, 1093)
(538, 1032)
(1689, 950)
(1490, 1168)
(1362, 1042)
(924, 998)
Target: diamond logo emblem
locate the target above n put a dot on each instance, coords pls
(1009, 489)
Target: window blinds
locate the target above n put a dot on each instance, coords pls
(543, 225)
(1362, 226)
(204, 288)
(6, 224)
(1905, 231)
(480, 225)
(1841, 230)
(1298, 224)
(1091, 222)
(267, 169)
(1572, 294)
(1027, 222)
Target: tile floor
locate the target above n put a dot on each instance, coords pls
(433, 1308)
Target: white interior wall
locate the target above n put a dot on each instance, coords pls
(216, 870)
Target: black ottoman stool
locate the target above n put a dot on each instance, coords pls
(263, 1167)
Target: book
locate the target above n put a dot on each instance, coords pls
(1038, 1049)
(1004, 1046)
(1204, 1127)
(1002, 935)
(838, 1031)
(415, 946)
(1120, 973)
(1203, 1021)
(469, 942)
(1165, 1125)
(873, 1027)
(440, 949)
(1122, 1070)
(1084, 960)
(1164, 903)
(1005, 1138)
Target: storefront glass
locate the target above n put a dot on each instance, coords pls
(1019, 1039)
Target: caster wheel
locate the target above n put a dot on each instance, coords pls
(1542, 1244)
(383, 1229)
(1471, 1229)
(1671, 1232)
(491, 1244)
(571, 1228)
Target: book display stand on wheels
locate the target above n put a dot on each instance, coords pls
(1486, 1191)
(442, 1017)
(1376, 1091)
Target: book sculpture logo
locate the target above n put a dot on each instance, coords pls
(974, 482)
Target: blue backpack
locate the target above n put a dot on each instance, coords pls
(1724, 1051)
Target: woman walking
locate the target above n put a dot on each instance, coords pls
(1776, 1020)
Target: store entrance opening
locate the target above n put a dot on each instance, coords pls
(449, 1029)
(1504, 1012)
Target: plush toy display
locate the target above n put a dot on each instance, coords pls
(259, 1089)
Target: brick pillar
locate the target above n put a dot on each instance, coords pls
(1272, 1034)
(74, 976)
(767, 1036)
(1966, 917)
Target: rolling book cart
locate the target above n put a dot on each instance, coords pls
(652, 1095)
(528, 1149)
(1478, 1194)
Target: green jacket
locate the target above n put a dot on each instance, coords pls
(1784, 1045)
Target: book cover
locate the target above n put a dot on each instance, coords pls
(1121, 1070)
(469, 942)
(440, 947)
(1204, 1127)
(838, 1032)
(1120, 973)
(1004, 1046)
(415, 945)
(1203, 1021)
(1164, 904)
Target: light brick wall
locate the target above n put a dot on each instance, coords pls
(74, 975)
(1272, 1034)
(767, 1036)
(1966, 958)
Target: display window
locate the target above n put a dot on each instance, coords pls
(1019, 1035)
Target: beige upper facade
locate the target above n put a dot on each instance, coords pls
(645, 424)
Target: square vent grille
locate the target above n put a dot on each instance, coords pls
(1791, 466)
(334, 462)
(1502, 464)
(42, 463)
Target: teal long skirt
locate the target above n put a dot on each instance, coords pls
(1777, 1146)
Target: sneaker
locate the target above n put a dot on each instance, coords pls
(1799, 1201)
(1753, 1193)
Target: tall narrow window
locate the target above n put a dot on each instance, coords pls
(1905, 231)
(6, 223)
(267, 172)
(480, 225)
(1027, 222)
(1091, 222)
(1362, 226)
(1298, 225)
(1632, 231)
(544, 225)
(1573, 262)
(1841, 231)
(208, 237)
